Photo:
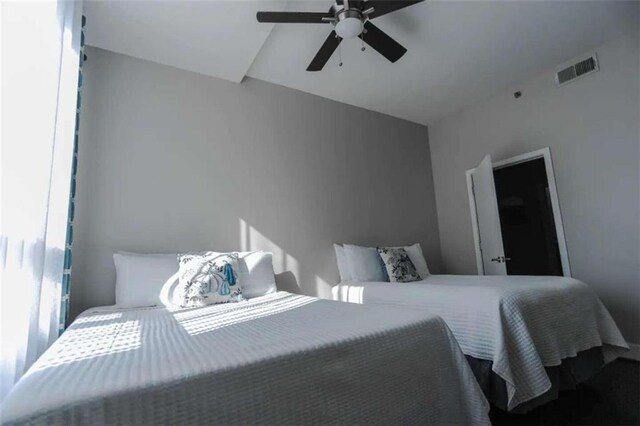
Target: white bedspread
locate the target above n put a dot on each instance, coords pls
(520, 323)
(277, 359)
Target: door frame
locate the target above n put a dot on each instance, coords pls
(544, 153)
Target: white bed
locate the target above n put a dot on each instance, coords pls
(276, 359)
(521, 324)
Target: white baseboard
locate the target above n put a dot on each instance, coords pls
(634, 352)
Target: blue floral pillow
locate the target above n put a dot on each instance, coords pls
(208, 278)
(399, 266)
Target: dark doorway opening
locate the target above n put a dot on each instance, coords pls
(526, 218)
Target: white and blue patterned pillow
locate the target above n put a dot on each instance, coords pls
(399, 266)
(208, 278)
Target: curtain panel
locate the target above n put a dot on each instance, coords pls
(68, 260)
(41, 48)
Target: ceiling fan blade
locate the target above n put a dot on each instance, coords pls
(294, 17)
(380, 41)
(382, 7)
(330, 45)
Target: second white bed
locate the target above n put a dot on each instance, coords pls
(521, 324)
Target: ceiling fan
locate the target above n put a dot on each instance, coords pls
(351, 19)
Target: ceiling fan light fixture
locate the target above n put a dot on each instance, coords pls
(349, 24)
(349, 28)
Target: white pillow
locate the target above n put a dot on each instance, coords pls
(140, 278)
(255, 270)
(417, 258)
(343, 263)
(365, 263)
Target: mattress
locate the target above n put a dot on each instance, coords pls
(521, 324)
(276, 359)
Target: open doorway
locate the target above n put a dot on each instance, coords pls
(526, 218)
(516, 217)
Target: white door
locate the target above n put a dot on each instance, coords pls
(490, 234)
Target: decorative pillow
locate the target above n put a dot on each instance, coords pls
(399, 266)
(364, 263)
(208, 278)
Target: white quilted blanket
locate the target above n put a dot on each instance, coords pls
(277, 359)
(520, 323)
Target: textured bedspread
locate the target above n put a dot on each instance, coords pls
(520, 323)
(277, 359)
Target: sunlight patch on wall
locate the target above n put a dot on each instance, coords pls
(253, 240)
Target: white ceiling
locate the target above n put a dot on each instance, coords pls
(217, 38)
(459, 52)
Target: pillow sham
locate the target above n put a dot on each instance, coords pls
(364, 263)
(140, 278)
(208, 278)
(415, 254)
(255, 271)
(399, 266)
(343, 263)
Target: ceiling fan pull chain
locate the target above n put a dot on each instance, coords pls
(340, 54)
(362, 38)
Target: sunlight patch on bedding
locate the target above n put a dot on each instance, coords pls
(83, 343)
(348, 293)
(212, 318)
(98, 318)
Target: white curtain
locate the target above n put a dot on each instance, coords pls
(40, 60)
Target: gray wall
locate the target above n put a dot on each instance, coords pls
(592, 128)
(174, 161)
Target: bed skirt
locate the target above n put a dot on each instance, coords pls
(565, 376)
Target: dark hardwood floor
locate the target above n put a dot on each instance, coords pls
(612, 397)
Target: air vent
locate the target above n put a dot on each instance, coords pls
(579, 69)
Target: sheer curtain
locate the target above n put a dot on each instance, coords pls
(40, 61)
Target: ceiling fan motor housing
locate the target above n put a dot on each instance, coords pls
(349, 23)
